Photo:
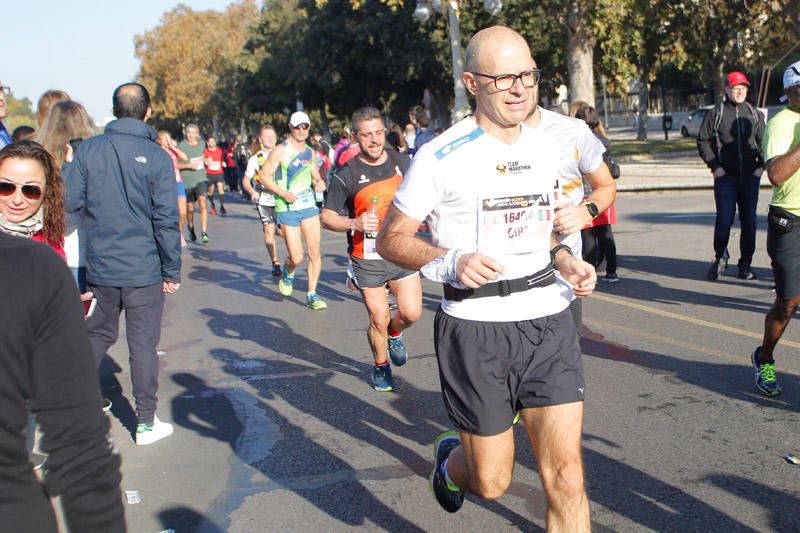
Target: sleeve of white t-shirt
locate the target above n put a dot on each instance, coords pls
(418, 194)
(252, 167)
(590, 149)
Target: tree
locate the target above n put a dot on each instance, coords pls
(184, 58)
(19, 112)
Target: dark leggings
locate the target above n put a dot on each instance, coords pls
(598, 243)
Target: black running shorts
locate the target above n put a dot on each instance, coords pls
(371, 273)
(489, 370)
(266, 213)
(201, 189)
(784, 251)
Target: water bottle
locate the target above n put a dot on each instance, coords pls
(374, 211)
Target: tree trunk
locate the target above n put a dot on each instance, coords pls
(580, 52)
(641, 132)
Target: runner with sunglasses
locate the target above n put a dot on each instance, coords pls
(291, 173)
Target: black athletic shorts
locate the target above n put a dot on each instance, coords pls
(489, 370)
(784, 251)
(372, 273)
(201, 189)
(266, 213)
(213, 178)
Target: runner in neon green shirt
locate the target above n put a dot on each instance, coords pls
(291, 173)
(782, 152)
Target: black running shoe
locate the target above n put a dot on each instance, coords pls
(450, 500)
(192, 234)
(745, 272)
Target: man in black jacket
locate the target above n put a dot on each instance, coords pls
(125, 184)
(47, 369)
(729, 141)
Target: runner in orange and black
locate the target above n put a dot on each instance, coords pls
(365, 186)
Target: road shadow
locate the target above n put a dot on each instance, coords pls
(671, 267)
(112, 389)
(781, 508)
(186, 520)
(730, 380)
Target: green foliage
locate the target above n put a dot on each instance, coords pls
(19, 112)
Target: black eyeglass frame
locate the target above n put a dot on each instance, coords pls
(513, 77)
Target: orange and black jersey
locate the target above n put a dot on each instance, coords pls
(354, 185)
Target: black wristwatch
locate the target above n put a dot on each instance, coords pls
(592, 208)
(554, 251)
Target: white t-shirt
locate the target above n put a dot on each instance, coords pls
(264, 196)
(480, 194)
(580, 153)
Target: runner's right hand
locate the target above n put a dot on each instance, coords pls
(476, 269)
(367, 222)
(254, 197)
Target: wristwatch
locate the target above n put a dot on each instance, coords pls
(554, 251)
(592, 208)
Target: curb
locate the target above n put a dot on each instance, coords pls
(660, 187)
(649, 157)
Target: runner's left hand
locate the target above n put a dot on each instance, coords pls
(580, 274)
(570, 218)
(319, 186)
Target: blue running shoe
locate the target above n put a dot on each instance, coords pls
(450, 497)
(382, 380)
(314, 302)
(766, 380)
(285, 283)
(397, 350)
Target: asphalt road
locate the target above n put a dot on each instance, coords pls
(277, 428)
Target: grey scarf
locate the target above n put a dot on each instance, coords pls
(27, 228)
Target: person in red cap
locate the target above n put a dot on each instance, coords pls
(729, 141)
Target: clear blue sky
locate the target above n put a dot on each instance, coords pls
(84, 47)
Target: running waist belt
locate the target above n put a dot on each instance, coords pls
(504, 287)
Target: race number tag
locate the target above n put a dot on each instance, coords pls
(370, 252)
(305, 199)
(214, 165)
(515, 224)
(199, 163)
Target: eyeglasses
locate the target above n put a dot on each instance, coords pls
(31, 192)
(503, 82)
(301, 127)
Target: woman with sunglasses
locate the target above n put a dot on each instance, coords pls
(32, 195)
(64, 126)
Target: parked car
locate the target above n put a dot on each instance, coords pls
(690, 126)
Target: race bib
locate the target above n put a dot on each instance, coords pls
(198, 162)
(266, 199)
(511, 225)
(370, 252)
(305, 199)
(214, 165)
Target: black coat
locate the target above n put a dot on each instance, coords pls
(735, 145)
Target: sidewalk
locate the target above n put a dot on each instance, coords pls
(668, 172)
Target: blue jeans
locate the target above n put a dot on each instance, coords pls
(731, 192)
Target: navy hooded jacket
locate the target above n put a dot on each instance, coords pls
(125, 184)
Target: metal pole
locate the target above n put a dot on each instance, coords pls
(605, 101)
(461, 106)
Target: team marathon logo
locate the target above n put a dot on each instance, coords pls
(512, 167)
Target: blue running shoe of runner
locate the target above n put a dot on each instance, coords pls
(450, 497)
(766, 379)
(285, 283)
(315, 302)
(382, 380)
(397, 350)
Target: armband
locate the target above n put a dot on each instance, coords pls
(443, 268)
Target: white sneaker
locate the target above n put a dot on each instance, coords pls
(150, 433)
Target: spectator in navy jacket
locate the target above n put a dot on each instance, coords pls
(125, 184)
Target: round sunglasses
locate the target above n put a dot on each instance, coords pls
(31, 192)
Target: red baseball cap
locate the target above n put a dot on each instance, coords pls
(736, 78)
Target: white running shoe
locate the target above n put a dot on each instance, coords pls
(150, 433)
